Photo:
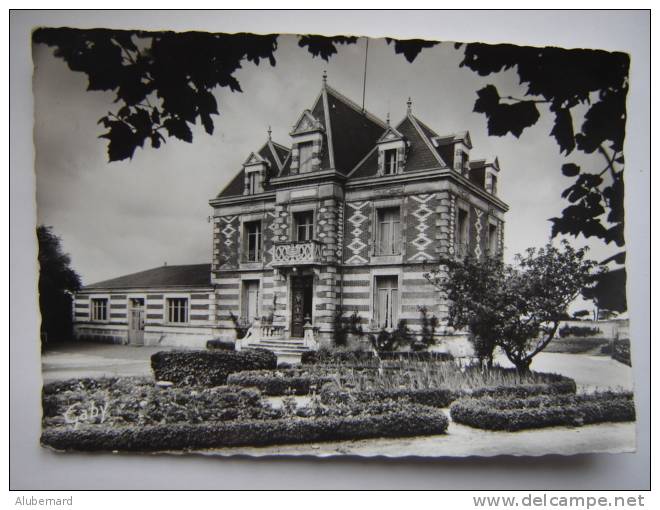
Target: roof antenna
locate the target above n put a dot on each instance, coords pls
(269, 133)
(364, 80)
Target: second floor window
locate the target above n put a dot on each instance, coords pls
(303, 223)
(253, 183)
(177, 310)
(305, 156)
(492, 240)
(388, 233)
(391, 162)
(99, 309)
(253, 241)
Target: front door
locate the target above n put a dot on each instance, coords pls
(302, 296)
(136, 322)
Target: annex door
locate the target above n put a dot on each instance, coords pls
(136, 321)
(301, 298)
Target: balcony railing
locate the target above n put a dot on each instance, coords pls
(289, 253)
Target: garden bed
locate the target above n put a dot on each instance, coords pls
(512, 413)
(575, 345)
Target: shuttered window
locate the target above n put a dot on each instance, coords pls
(386, 304)
(388, 235)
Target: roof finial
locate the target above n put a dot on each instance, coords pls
(325, 77)
(269, 133)
(388, 118)
(409, 104)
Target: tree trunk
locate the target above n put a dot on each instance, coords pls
(522, 365)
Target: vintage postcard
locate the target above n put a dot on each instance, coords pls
(305, 245)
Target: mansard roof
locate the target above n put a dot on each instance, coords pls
(192, 275)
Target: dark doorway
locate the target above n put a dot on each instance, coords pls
(301, 303)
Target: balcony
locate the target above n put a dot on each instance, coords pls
(300, 253)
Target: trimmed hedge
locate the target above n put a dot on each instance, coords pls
(335, 357)
(413, 421)
(423, 356)
(562, 385)
(222, 345)
(274, 385)
(512, 414)
(433, 397)
(208, 368)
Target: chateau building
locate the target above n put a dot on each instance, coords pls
(348, 215)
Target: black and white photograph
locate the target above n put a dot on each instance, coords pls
(312, 245)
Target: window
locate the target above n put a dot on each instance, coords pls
(388, 233)
(253, 241)
(305, 156)
(492, 239)
(391, 162)
(253, 183)
(250, 308)
(100, 309)
(462, 233)
(177, 310)
(386, 306)
(465, 164)
(493, 185)
(303, 223)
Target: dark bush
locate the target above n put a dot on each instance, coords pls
(208, 368)
(513, 414)
(277, 385)
(578, 331)
(334, 357)
(406, 422)
(219, 344)
(433, 397)
(618, 350)
(561, 385)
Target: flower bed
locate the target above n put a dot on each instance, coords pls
(279, 382)
(137, 401)
(433, 397)
(512, 414)
(208, 368)
(555, 385)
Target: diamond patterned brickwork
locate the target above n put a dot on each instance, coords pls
(477, 232)
(227, 242)
(420, 227)
(268, 236)
(443, 222)
(357, 234)
(327, 220)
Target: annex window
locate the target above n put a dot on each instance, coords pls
(250, 308)
(461, 232)
(177, 310)
(303, 224)
(253, 241)
(305, 157)
(388, 233)
(99, 309)
(492, 239)
(386, 301)
(391, 162)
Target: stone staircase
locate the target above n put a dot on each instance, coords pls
(281, 346)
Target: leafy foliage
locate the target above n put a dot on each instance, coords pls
(324, 47)
(392, 340)
(344, 326)
(410, 48)
(563, 80)
(517, 308)
(57, 281)
(429, 325)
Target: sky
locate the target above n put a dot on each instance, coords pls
(122, 217)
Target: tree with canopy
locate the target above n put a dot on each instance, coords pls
(515, 307)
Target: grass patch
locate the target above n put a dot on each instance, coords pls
(573, 345)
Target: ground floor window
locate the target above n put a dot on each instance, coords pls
(250, 306)
(177, 310)
(386, 301)
(99, 309)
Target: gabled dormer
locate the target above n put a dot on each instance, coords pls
(456, 148)
(307, 144)
(392, 149)
(255, 169)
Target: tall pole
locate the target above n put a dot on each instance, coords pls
(364, 80)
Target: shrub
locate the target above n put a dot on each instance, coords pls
(392, 340)
(578, 331)
(513, 414)
(429, 325)
(273, 384)
(208, 368)
(329, 356)
(401, 421)
(222, 345)
(423, 356)
(561, 386)
(433, 397)
(619, 350)
(240, 328)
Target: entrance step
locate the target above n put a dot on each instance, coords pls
(284, 346)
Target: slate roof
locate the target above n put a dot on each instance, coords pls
(193, 275)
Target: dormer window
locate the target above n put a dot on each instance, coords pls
(391, 163)
(253, 183)
(255, 174)
(305, 157)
